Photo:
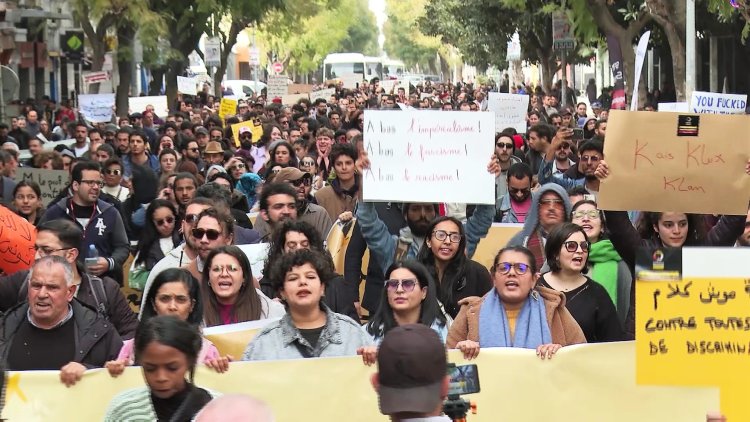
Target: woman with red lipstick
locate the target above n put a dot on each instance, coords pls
(167, 349)
(567, 252)
(444, 255)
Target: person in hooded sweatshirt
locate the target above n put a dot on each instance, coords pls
(550, 206)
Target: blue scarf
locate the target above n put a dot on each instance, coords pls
(532, 329)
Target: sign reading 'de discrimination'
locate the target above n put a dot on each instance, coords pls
(429, 156)
(676, 162)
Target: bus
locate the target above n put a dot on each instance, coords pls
(337, 65)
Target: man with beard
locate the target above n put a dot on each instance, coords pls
(122, 142)
(540, 136)
(514, 206)
(277, 203)
(550, 206)
(590, 154)
(504, 148)
(306, 211)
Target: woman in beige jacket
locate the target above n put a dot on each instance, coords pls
(514, 313)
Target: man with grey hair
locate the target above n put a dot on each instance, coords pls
(52, 330)
(235, 408)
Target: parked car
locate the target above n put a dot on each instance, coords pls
(243, 88)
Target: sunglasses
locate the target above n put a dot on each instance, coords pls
(519, 267)
(210, 234)
(407, 284)
(502, 145)
(591, 214)
(515, 191)
(237, 167)
(551, 202)
(190, 218)
(307, 163)
(161, 221)
(572, 246)
(113, 172)
(301, 181)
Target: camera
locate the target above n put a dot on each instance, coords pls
(464, 379)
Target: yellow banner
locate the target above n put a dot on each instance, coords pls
(582, 383)
(696, 332)
(227, 107)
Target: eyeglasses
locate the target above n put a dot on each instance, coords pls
(591, 214)
(231, 268)
(210, 234)
(505, 145)
(519, 267)
(190, 218)
(113, 172)
(93, 183)
(593, 158)
(166, 299)
(515, 191)
(307, 163)
(284, 122)
(301, 181)
(161, 221)
(565, 146)
(239, 166)
(441, 235)
(48, 251)
(572, 246)
(407, 284)
(551, 202)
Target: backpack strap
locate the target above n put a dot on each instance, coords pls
(402, 249)
(100, 295)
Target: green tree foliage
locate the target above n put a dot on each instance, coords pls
(405, 40)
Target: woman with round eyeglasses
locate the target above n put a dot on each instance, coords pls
(229, 295)
(159, 235)
(567, 252)
(606, 266)
(515, 313)
(444, 255)
(409, 297)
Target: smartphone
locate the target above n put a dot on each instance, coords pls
(577, 134)
(464, 379)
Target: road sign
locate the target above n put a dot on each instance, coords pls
(277, 67)
(95, 77)
(254, 56)
(72, 45)
(212, 53)
(562, 32)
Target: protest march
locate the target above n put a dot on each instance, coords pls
(362, 240)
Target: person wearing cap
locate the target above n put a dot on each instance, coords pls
(309, 329)
(300, 183)
(514, 313)
(412, 379)
(213, 154)
(201, 136)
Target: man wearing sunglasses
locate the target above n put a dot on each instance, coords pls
(590, 154)
(275, 203)
(100, 221)
(513, 207)
(504, 148)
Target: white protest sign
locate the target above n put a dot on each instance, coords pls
(714, 103)
(323, 93)
(403, 106)
(424, 95)
(429, 156)
(277, 86)
(674, 107)
(51, 182)
(187, 85)
(402, 83)
(139, 104)
(510, 110)
(351, 80)
(388, 85)
(97, 108)
(256, 254)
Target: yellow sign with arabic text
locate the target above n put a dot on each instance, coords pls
(227, 108)
(696, 331)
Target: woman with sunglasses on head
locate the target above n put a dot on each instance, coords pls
(515, 313)
(113, 178)
(606, 265)
(444, 254)
(567, 252)
(159, 235)
(310, 329)
(167, 348)
(176, 293)
(229, 294)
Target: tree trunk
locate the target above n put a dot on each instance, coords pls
(174, 69)
(226, 49)
(671, 18)
(157, 76)
(125, 38)
(549, 66)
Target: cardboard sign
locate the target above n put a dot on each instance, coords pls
(255, 127)
(277, 86)
(51, 182)
(657, 164)
(227, 107)
(713, 103)
(351, 80)
(97, 108)
(510, 110)
(325, 94)
(290, 99)
(429, 156)
(187, 85)
(139, 104)
(17, 237)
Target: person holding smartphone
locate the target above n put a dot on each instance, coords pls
(590, 154)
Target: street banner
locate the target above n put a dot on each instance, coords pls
(676, 162)
(429, 156)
